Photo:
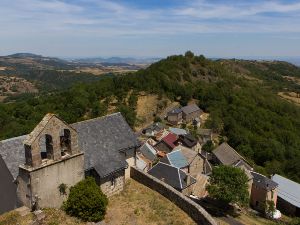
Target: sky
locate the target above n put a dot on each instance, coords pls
(150, 28)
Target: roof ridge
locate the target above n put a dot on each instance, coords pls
(179, 178)
(11, 139)
(100, 117)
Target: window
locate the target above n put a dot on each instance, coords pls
(46, 146)
(65, 142)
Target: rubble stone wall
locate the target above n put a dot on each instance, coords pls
(195, 211)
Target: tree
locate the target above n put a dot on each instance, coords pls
(86, 201)
(208, 146)
(229, 185)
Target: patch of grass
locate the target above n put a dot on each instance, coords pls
(13, 217)
(138, 204)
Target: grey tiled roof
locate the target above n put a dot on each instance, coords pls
(190, 108)
(148, 151)
(12, 152)
(263, 182)
(175, 111)
(171, 175)
(102, 139)
(226, 154)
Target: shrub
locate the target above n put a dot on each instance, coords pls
(86, 201)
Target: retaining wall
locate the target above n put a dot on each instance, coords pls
(195, 211)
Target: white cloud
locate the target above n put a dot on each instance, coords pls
(106, 18)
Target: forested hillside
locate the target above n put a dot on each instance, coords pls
(241, 97)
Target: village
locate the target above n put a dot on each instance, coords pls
(173, 151)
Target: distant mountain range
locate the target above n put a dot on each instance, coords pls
(116, 60)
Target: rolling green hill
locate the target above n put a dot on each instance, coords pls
(241, 97)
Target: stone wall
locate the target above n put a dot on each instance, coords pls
(43, 182)
(113, 184)
(195, 211)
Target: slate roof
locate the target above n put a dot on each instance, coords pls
(242, 164)
(102, 139)
(175, 111)
(8, 189)
(190, 109)
(176, 159)
(148, 151)
(288, 190)
(263, 182)
(177, 131)
(226, 154)
(12, 152)
(171, 175)
(188, 140)
(155, 127)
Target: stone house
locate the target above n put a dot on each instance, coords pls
(176, 159)
(110, 146)
(226, 155)
(205, 135)
(173, 176)
(153, 129)
(263, 190)
(189, 141)
(191, 112)
(288, 195)
(174, 116)
(167, 144)
(57, 153)
(148, 151)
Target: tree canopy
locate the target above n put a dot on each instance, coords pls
(240, 96)
(229, 184)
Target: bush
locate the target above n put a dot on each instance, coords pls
(86, 201)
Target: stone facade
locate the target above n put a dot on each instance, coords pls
(195, 211)
(113, 184)
(260, 197)
(42, 183)
(174, 118)
(52, 158)
(191, 116)
(130, 156)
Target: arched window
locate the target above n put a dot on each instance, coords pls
(65, 142)
(46, 146)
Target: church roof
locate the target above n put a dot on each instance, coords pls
(101, 139)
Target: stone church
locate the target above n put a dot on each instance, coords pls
(56, 154)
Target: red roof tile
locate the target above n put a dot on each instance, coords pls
(170, 140)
